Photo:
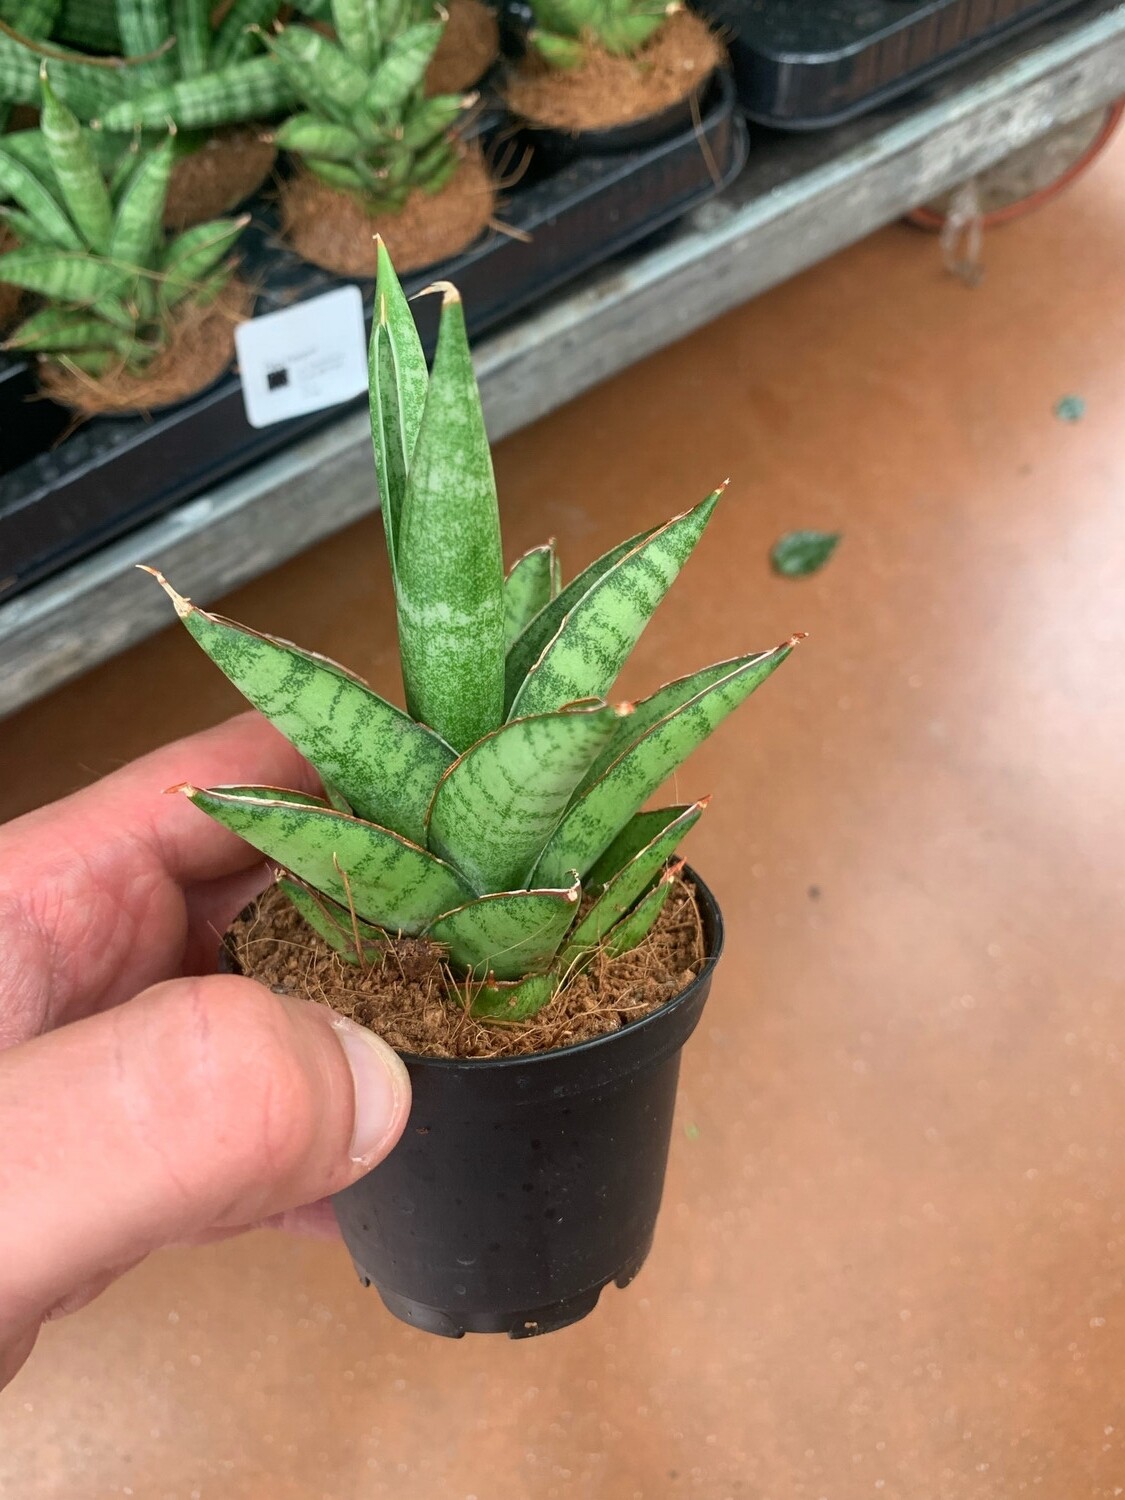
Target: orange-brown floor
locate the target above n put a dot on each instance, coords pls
(892, 1256)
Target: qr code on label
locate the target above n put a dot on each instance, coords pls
(277, 380)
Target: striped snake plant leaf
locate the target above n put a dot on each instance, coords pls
(350, 22)
(637, 834)
(632, 930)
(238, 32)
(624, 889)
(335, 924)
(191, 26)
(517, 1001)
(24, 228)
(311, 135)
(77, 171)
(399, 381)
(253, 89)
(54, 330)
(496, 806)
(146, 27)
(319, 72)
(193, 255)
(530, 644)
(384, 763)
(27, 187)
(528, 588)
(88, 24)
(402, 68)
(68, 275)
(447, 556)
(276, 794)
(389, 881)
(599, 813)
(595, 638)
(136, 229)
(509, 935)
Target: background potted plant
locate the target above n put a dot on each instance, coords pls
(613, 74)
(378, 155)
(128, 320)
(469, 45)
(480, 880)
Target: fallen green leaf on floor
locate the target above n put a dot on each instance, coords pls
(799, 553)
(1070, 408)
(691, 1130)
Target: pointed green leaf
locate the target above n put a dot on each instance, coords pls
(447, 555)
(526, 649)
(595, 638)
(799, 553)
(637, 834)
(496, 807)
(337, 799)
(630, 883)
(349, 20)
(334, 924)
(383, 763)
(77, 172)
(402, 68)
(23, 183)
(399, 381)
(238, 34)
(393, 883)
(276, 794)
(514, 1002)
(632, 930)
(137, 227)
(509, 935)
(68, 275)
(598, 814)
(528, 588)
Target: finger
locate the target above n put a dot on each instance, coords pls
(204, 1103)
(15, 1346)
(212, 906)
(91, 901)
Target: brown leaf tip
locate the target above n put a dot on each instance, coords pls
(181, 786)
(795, 640)
(183, 607)
(449, 293)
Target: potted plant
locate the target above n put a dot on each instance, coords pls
(469, 45)
(128, 321)
(377, 155)
(480, 881)
(207, 81)
(613, 73)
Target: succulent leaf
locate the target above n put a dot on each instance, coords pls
(496, 806)
(334, 924)
(528, 588)
(508, 935)
(632, 930)
(391, 882)
(447, 555)
(630, 883)
(402, 68)
(23, 184)
(68, 275)
(595, 637)
(76, 172)
(514, 1002)
(599, 813)
(136, 228)
(637, 835)
(385, 764)
(253, 89)
(191, 26)
(399, 382)
(237, 37)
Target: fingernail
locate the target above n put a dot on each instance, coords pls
(382, 1091)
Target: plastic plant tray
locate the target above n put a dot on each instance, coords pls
(111, 475)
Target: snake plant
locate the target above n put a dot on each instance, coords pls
(511, 788)
(177, 68)
(367, 126)
(619, 27)
(92, 247)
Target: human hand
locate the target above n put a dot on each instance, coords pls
(145, 1099)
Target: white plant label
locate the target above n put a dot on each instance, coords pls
(303, 358)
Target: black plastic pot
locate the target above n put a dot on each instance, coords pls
(557, 146)
(523, 1186)
(802, 66)
(114, 474)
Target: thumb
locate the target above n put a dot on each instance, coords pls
(202, 1103)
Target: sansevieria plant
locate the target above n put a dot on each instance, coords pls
(619, 27)
(367, 126)
(92, 247)
(511, 788)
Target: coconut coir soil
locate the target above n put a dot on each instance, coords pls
(200, 347)
(335, 230)
(225, 170)
(404, 997)
(469, 46)
(603, 91)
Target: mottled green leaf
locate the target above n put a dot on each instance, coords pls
(637, 834)
(386, 765)
(632, 930)
(514, 1002)
(334, 924)
(596, 636)
(526, 649)
(447, 555)
(319, 72)
(509, 935)
(630, 884)
(137, 228)
(599, 813)
(392, 882)
(495, 807)
(77, 172)
(799, 553)
(402, 68)
(69, 275)
(398, 383)
(26, 186)
(239, 33)
(528, 588)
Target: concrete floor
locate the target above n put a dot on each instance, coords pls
(892, 1256)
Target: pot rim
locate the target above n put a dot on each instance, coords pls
(712, 916)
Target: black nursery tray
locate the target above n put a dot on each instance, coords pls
(807, 64)
(111, 475)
